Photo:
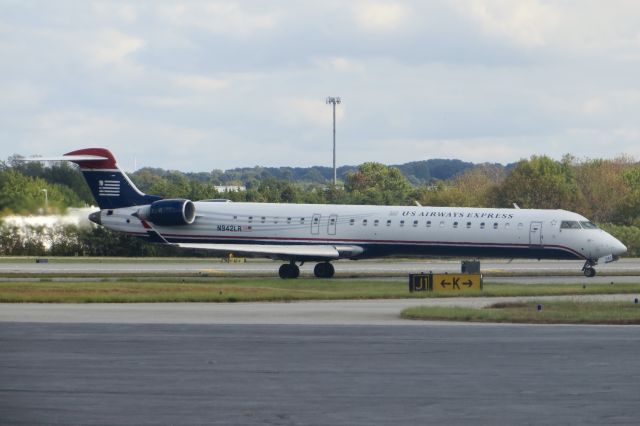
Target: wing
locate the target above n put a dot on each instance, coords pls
(318, 252)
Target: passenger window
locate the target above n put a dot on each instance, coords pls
(455, 224)
(235, 218)
(250, 219)
(364, 222)
(302, 221)
(442, 224)
(415, 223)
(402, 223)
(352, 221)
(428, 224)
(275, 220)
(389, 222)
(288, 220)
(376, 222)
(495, 225)
(482, 225)
(262, 219)
(468, 225)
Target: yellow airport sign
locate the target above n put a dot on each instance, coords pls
(456, 282)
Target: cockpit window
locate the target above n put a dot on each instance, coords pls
(569, 224)
(589, 225)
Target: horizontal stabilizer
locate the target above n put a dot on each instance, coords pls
(68, 158)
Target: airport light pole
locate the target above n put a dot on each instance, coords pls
(334, 101)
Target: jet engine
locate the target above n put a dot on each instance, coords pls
(171, 212)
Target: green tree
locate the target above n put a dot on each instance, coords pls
(24, 194)
(375, 183)
(540, 183)
(608, 189)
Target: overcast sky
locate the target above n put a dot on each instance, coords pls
(201, 85)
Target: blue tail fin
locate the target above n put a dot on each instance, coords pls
(110, 186)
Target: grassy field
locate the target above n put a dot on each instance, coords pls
(259, 289)
(103, 259)
(221, 290)
(552, 312)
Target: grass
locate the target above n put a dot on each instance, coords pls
(222, 290)
(261, 289)
(101, 259)
(553, 312)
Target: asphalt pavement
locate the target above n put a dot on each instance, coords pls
(177, 374)
(629, 267)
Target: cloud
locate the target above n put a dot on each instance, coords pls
(222, 17)
(526, 22)
(200, 83)
(339, 64)
(380, 16)
(109, 47)
(474, 79)
(20, 95)
(299, 112)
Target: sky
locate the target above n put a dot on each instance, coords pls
(203, 85)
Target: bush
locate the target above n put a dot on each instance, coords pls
(629, 235)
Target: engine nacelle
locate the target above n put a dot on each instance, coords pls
(171, 212)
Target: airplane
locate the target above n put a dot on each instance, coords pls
(298, 233)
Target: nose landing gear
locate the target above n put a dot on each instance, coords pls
(588, 269)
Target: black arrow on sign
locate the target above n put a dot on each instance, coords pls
(468, 283)
(444, 283)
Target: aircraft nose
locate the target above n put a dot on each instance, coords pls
(95, 218)
(618, 247)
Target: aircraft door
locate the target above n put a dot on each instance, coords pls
(333, 220)
(315, 224)
(535, 234)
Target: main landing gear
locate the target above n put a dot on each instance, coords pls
(291, 270)
(588, 269)
(324, 270)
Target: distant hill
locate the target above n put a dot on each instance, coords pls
(417, 172)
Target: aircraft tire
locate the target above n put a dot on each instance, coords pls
(289, 271)
(324, 270)
(589, 272)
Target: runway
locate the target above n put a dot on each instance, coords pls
(130, 374)
(307, 363)
(369, 268)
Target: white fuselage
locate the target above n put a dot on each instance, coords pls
(387, 230)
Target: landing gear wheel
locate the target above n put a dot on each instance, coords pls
(324, 270)
(589, 272)
(289, 271)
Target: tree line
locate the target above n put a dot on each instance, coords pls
(605, 190)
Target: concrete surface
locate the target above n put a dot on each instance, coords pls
(131, 374)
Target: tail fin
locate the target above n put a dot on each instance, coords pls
(110, 186)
